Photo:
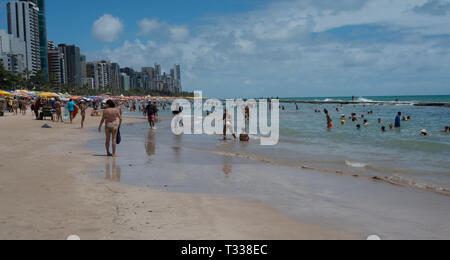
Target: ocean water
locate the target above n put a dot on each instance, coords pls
(299, 175)
(408, 99)
(402, 156)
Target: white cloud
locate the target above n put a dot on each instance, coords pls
(107, 28)
(147, 26)
(285, 51)
(178, 33)
(245, 46)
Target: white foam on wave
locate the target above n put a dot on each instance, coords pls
(361, 99)
(355, 164)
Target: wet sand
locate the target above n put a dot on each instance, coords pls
(47, 192)
(188, 164)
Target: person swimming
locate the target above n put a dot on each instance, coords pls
(380, 121)
(391, 127)
(446, 130)
(366, 123)
(383, 129)
(358, 127)
(424, 132)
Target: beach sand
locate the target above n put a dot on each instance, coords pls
(47, 192)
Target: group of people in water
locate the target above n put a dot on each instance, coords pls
(396, 125)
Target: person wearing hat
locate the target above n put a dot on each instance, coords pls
(424, 132)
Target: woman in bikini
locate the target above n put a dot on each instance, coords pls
(113, 121)
(83, 108)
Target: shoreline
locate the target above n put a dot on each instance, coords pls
(337, 102)
(47, 193)
(157, 160)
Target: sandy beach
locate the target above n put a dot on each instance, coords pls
(48, 192)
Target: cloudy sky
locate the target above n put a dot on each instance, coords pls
(259, 48)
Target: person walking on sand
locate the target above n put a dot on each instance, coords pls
(58, 110)
(150, 111)
(228, 125)
(36, 107)
(113, 120)
(71, 107)
(83, 108)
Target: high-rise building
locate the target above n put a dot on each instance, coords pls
(23, 23)
(149, 78)
(125, 81)
(12, 52)
(132, 77)
(83, 66)
(42, 33)
(72, 64)
(115, 76)
(88, 83)
(101, 73)
(177, 69)
(55, 65)
(158, 71)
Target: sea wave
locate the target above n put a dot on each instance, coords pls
(355, 164)
(361, 99)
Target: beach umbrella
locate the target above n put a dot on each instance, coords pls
(5, 94)
(48, 95)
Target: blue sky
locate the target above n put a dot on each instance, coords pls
(253, 48)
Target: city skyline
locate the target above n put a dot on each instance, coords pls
(24, 49)
(271, 48)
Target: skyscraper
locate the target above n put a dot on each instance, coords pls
(55, 65)
(115, 76)
(101, 73)
(72, 64)
(177, 78)
(12, 52)
(23, 23)
(132, 79)
(42, 33)
(149, 78)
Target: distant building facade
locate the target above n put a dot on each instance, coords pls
(23, 23)
(55, 65)
(72, 64)
(12, 53)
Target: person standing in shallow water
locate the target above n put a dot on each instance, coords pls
(329, 120)
(113, 120)
(398, 120)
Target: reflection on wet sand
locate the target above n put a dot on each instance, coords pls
(177, 148)
(150, 145)
(113, 171)
(227, 166)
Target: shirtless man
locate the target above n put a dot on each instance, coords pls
(112, 125)
(83, 108)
